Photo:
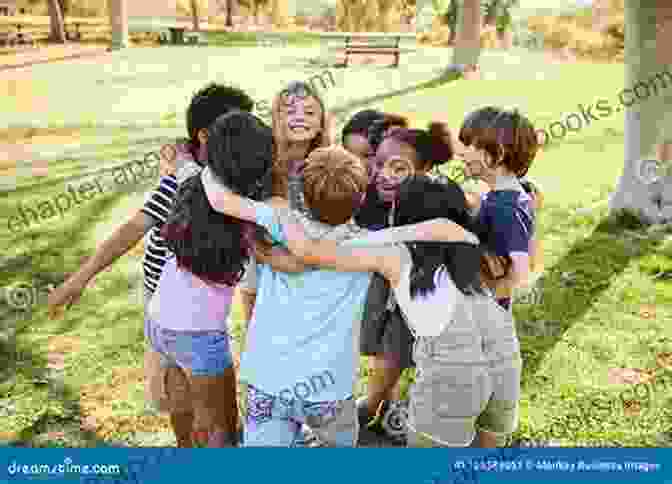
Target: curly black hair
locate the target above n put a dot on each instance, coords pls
(378, 128)
(208, 103)
(211, 245)
(360, 123)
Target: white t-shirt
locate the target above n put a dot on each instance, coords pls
(428, 314)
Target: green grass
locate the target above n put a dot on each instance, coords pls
(237, 39)
(608, 272)
(599, 273)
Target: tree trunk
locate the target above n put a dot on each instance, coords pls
(118, 10)
(641, 187)
(229, 13)
(57, 30)
(279, 15)
(468, 44)
(196, 23)
(490, 18)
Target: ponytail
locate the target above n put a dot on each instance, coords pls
(440, 142)
(433, 146)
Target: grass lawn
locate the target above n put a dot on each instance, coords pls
(599, 308)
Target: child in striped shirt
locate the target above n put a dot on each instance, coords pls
(167, 387)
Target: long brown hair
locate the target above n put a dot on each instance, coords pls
(281, 155)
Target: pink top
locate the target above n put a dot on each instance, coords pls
(183, 302)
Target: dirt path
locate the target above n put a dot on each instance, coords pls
(52, 53)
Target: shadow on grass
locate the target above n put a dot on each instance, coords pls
(130, 150)
(593, 263)
(45, 258)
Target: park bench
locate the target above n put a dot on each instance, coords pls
(8, 39)
(194, 38)
(169, 33)
(374, 45)
(23, 38)
(75, 34)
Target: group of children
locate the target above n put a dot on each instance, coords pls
(336, 251)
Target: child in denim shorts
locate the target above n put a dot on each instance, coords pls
(187, 317)
(166, 388)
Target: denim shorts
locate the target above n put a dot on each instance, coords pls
(272, 423)
(201, 353)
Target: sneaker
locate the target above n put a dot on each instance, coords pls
(390, 422)
(363, 412)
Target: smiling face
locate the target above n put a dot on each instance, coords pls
(303, 116)
(394, 162)
(358, 145)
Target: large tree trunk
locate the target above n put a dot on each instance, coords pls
(370, 17)
(57, 30)
(195, 14)
(118, 10)
(468, 42)
(642, 188)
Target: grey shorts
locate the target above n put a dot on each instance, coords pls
(449, 407)
(383, 331)
(468, 378)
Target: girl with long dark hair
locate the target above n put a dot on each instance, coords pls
(466, 349)
(187, 317)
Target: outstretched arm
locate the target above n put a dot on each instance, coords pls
(120, 242)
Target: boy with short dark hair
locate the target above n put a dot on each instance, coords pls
(501, 146)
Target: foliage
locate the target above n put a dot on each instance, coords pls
(576, 32)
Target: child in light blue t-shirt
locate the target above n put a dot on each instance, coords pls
(302, 357)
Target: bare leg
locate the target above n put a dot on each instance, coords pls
(383, 381)
(487, 440)
(248, 300)
(182, 424)
(215, 408)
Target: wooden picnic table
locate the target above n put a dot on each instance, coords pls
(177, 35)
(23, 38)
(76, 34)
(376, 43)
